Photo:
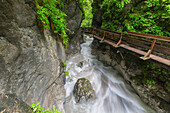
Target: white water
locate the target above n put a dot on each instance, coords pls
(112, 94)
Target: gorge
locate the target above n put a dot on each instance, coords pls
(36, 66)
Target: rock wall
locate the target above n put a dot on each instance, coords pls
(11, 104)
(97, 13)
(74, 20)
(130, 67)
(30, 63)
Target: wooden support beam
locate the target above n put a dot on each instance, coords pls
(117, 45)
(137, 44)
(154, 57)
(101, 41)
(147, 55)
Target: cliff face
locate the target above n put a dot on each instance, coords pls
(30, 63)
(97, 13)
(74, 20)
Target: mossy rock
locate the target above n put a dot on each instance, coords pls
(83, 90)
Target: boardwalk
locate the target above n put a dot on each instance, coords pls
(152, 47)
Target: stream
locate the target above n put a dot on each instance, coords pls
(113, 94)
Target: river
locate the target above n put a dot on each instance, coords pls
(113, 94)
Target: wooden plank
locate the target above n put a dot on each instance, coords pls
(159, 59)
(144, 40)
(137, 43)
(150, 36)
(159, 47)
(133, 49)
(154, 57)
(106, 41)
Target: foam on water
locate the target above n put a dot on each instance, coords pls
(113, 95)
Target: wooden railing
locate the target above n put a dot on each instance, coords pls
(149, 46)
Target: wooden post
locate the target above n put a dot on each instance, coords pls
(147, 56)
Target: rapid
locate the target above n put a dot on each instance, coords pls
(113, 94)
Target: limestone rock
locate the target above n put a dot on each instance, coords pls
(83, 90)
(30, 62)
(11, 104)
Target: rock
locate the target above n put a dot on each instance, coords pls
(122, 63)
(83, 90)
(73, 18)
(113, 63)
(130, 67)
(30, 62)
(97, 13)
(67, 99)
(9, 103)
(80, 64)
(93, 51)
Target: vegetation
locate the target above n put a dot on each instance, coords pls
(66, 70)
(87, 22)
(154, 75)
(38, 109)
(149, 16)
(158, 75)
(50, 14)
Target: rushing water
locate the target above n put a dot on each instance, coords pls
(113, 95)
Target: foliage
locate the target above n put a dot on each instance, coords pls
(119, 4)
(64, 63)
(152, 18)
(150, 82)
(112, 10)
(66, 70)
(87, 22)
(149, 16)
(38, 109)
(155, 75)
(49, 13)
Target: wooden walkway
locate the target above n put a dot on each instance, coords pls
(152, 47)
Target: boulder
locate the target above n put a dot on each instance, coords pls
(83, 90)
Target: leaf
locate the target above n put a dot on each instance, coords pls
(33, 105)
(35, 109)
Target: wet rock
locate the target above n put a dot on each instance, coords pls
(80, 64)
(83, 90)
(130, 67)
(74, 21)
(67, 99)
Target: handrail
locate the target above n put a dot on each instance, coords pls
(150, 36)
(136, 42)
